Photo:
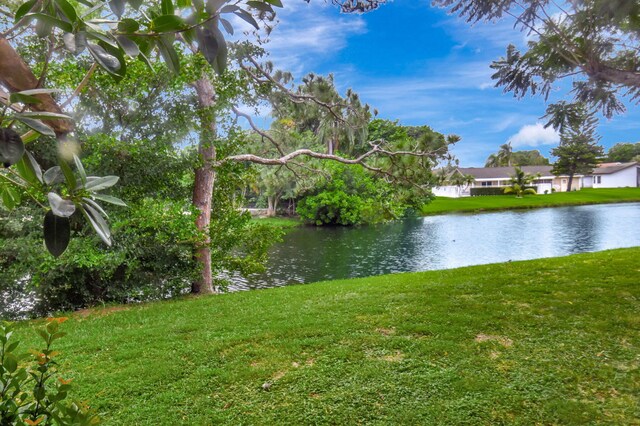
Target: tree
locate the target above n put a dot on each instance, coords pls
(519, 182)
(502, 158)
(112, 34)
(519, 158)
(593, 43)
(578, 152)
(624, 152)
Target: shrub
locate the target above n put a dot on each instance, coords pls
(351, 196)
(36, 394)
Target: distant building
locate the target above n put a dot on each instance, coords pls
(614, 175)
(501, 177)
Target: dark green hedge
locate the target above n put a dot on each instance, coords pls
(491, 190)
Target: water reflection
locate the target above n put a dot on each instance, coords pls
(314, 254)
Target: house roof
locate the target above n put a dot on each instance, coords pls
(608, 168)
(503, 172)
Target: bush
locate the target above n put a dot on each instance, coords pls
(36, 394)
(351, 196)
(492, 190)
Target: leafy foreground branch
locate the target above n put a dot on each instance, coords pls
(36, 394)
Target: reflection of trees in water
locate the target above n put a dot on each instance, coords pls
(581, 229)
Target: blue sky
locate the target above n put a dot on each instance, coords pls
(419, 65)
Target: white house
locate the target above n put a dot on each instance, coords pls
(614, 175)
(501, 177)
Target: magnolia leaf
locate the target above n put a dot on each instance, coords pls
(128, 25)
(264, 7)
(109, 199)
(22, 98)
(168, 52)
(38, 91)
(36, 125)
(96, 206)
(68, 10)
(165, 23)
(11, 147)
(49, 22)
(43, 115)
(60, 206)
(98, 223)
(227, 26)
(107, 61)
(10, 197)
(57, 233)
(101, 183)
(24, 9)
(246, 16)
(129, 47)
(53, 175)
(117, 7)
(69, 40)
(208, 43)
(80, 167)
(166, 7)
(34, 166)
(68, 174)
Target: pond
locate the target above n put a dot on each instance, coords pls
(311, 254)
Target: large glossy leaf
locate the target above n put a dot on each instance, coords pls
(43, 115)
(246, 16)
(80, 168)
(22, 98)
(33, 165)
(264, 7)
(227, 26)
(106, 60)
(53, 175)
(109, 199)
(10, 197)
(276, 3)
(208, 43)
(50, 21)
(67, 9)
(101, 183)
(129, 47)
(11, 147)
(128, 25)
(98, 223)
(168, 52)
(68, 174)
(24, 9)
(60, 206)
(36, 125)
(117, 7)
(167, 7)
(165, 23)
(57, 233)
(96, 206)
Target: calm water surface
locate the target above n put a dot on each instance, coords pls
(311, 254)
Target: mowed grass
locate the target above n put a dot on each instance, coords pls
(505, 202)
(551, 341)
(281, 222)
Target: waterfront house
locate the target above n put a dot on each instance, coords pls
(614, 175)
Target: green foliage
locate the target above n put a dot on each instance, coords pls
(35, 393)
(624, 152)
(519, 182)
(517, 158)
(350, 196)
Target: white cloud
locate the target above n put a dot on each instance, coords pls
(534, 135)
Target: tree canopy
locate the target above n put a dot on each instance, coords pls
(592, 43)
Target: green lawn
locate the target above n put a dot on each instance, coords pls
(505, 202)
(552, 341)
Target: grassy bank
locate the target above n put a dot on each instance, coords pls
(552, 341)
(505, 202)
(280, 222)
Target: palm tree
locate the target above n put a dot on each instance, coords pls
(519, 182)
(502, 157)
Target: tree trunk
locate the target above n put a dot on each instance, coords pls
(569, 182)
(204, 182)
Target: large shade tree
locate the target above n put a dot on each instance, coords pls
(592, 44)
(111, 35)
